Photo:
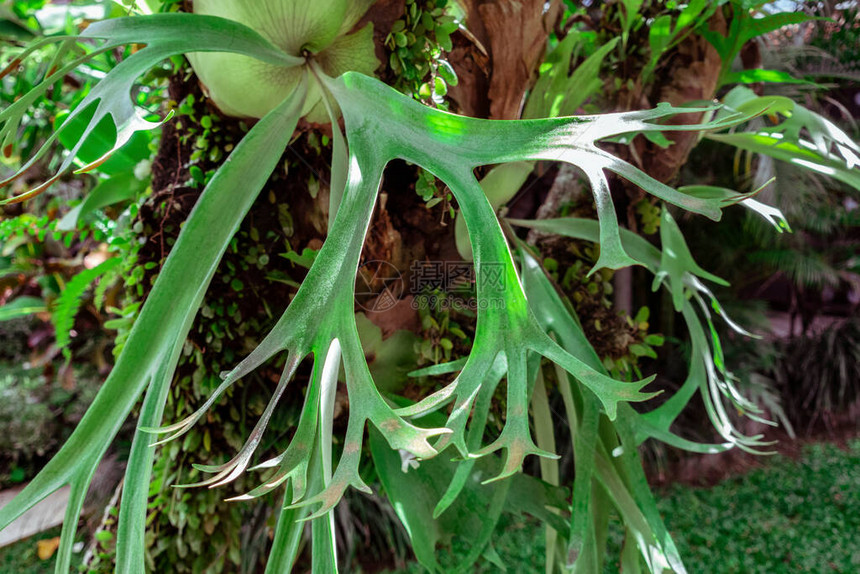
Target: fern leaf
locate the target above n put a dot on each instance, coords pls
(63, 315)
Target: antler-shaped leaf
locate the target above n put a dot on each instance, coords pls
(803, 138)
(598, 456)
(155, 343)
(323, 312)
(706, 364)
(380, 125)
(165, 35)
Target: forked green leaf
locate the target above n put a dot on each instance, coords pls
(155, 342)
(676, 262)
(704, 373)
(802, 137)
(520, 321)
(165, 35)
(586, 546)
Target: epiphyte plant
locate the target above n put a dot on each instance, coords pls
(305, 60)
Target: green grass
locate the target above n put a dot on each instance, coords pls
(787, 516)
(22, 557)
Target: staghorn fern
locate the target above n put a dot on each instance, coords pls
(531, 323)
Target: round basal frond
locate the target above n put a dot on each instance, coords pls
(243, 86)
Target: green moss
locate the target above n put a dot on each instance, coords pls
(416, 45)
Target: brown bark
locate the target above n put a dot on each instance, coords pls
(690, 73)
(511, 35)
